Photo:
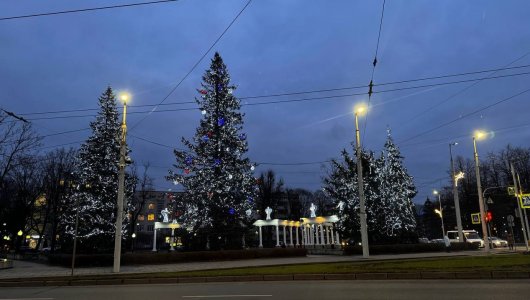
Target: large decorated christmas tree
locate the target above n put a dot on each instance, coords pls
(94, 191)
(215, 173)
(398, 190)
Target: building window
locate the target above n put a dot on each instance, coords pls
(140, 228)
(151, 217)
(141, 217)
(151, 206)
(150, 227)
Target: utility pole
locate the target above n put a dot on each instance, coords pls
(517, 193)
(455, 195)
(480, 198)
(360, 181)
(121, 183)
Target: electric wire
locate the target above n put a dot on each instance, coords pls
(84, 10)
(464, 116)
(194, 66)
(293, 93)
(299, 100)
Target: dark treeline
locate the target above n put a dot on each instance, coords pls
(496, 177)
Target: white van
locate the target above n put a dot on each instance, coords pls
(470, 236)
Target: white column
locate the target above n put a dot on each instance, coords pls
(332, 234)
(297, 240)
(291, 235)
(322, 236)
(317, 235)
(154, 240)
(284, 237)
(277, 236)
(172, 240)
(338, 238)
(327, 236)
(260, 238)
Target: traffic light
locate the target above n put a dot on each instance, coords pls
(489, 216)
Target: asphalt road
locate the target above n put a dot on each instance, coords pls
(292, 290)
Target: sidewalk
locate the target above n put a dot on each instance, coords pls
(26, 269)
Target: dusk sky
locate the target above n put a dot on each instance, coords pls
(64, 62)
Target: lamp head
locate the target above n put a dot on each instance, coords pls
(435, 192)
(360, 109)
(479, 135)
(125, 97)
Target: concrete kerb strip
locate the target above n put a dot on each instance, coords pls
(284, 277)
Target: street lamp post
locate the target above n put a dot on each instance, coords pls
(121, 182)
(440, 211)
(455, 195)
(361, 109)
(477, 136)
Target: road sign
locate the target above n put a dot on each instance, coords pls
(475, 218)
(490, 201)
(525, 200)
(511, 190)
(510, 219)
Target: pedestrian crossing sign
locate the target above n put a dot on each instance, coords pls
(475, 218)
(525, 200)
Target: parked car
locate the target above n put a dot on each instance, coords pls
(423, 240)
(470, 236)
(496, 242)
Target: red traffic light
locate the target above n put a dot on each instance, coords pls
(489, 216)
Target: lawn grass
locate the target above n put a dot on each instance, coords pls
(512, 262)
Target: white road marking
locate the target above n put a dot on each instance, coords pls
(27, 298)
(224, 296)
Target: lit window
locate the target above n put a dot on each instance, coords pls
(141, 217)
(150, 217)
(151, 206)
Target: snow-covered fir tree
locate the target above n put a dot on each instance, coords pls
(388, 193)
(216, 175)
(398, 190)
(95, 188)
(342, 187)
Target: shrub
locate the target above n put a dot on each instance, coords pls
(85, 260)
(409, 248)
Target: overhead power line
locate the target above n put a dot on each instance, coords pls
(295, 100)
(293, 93)
(452, 96)
(260, 163)
(195, 65)
(85, 10)
(464, 116)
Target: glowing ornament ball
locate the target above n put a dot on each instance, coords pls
(231, 211)
(221, 121)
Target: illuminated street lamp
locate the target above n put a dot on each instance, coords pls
(439, 211)
(124, 97)
(479, 135)
(20, 233)
(361, 109)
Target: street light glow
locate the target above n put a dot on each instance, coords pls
(435, 192)
(360, 109)
(438, 212)
(480, 135)
(125, 97)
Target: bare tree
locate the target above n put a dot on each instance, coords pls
(141, 193)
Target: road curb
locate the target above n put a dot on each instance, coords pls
(285, 277)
